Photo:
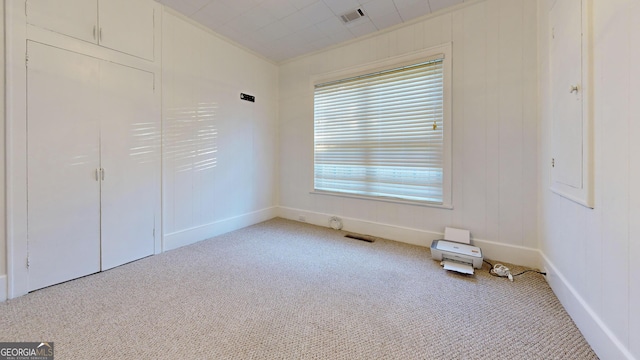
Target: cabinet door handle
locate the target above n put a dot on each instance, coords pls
(97, 174)
(102, 174)
(94, 32)
(574, 88)
(100, 34)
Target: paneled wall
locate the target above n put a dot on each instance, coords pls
(495, 130)
(219, 153)
(592, 254)
(3, 240)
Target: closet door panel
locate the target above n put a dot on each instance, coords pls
(63, 155)
(75, 18)
(130, 142)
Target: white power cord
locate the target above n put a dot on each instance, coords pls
(502, 271)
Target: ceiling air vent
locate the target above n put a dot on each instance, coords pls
(352, 15)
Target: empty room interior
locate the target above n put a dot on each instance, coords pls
(179, 176)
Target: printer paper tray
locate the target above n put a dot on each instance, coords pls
(457, 266)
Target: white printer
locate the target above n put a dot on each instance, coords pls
(457, 255)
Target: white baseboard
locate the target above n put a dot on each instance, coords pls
(518, 255)
(513, 254)
(195, 234)
(598, 335)
(3, 288)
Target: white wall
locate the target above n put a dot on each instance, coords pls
(495, 130)
(591, 254)
(219, 153)
(3, 237)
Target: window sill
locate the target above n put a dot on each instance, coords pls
(383, 199)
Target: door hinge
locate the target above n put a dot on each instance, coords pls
(28, 262)
(553, 162)
(26, 60)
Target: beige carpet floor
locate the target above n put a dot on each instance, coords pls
(287, 290)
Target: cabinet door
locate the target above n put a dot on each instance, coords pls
(63, 155)
(127, 26)
(571, 79)
(566, 92)
(75, 18)
(130, 151)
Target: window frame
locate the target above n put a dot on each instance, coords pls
(388, 64)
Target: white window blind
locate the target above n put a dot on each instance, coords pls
(381, 134)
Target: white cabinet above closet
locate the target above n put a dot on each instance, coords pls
(122, 25)
(75, 18)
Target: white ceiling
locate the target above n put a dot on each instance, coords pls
(283, 29)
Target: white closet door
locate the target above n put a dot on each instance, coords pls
(63, 155)
(130, 139)
(127, 26)
(76, 18)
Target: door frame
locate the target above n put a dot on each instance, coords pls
(16, 146)
(16, 34)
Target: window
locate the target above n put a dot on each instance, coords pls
(383, 134)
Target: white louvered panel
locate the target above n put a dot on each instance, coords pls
(375, 135)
